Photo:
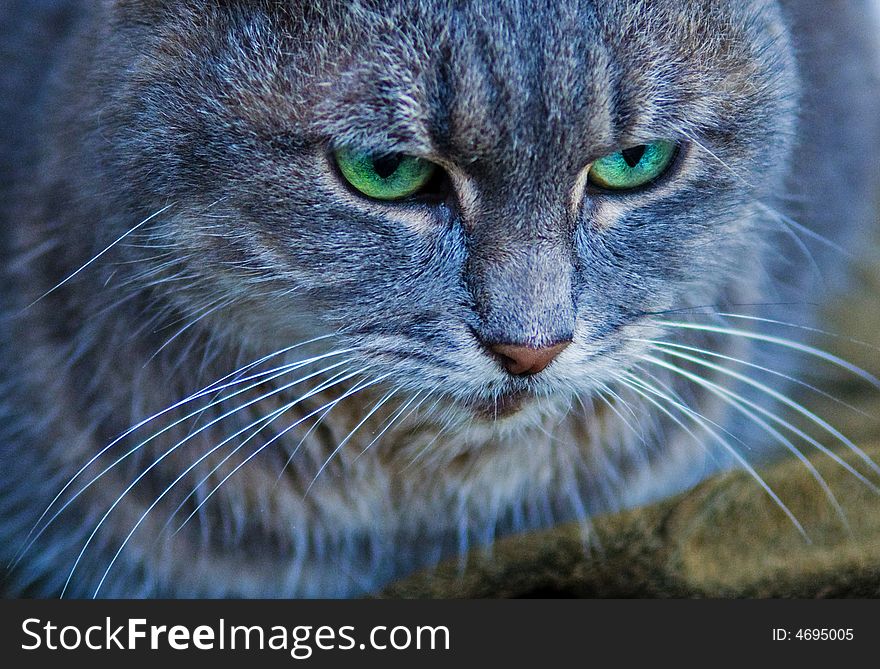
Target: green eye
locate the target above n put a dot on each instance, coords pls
(384, 177)
(632, 168)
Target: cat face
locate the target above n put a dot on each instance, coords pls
(502, 265)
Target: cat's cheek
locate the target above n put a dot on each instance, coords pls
(424, 222)
(606, 213)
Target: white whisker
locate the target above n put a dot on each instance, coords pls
(203, 313)
(638, 432)
(694, 349)
(213, 388)
(394, 419)
(271, 417)
(787, 220)
(740, 403)
(798, 326)
(99, 255)
(782, 398)
(779, 341)
(342, 443)
(143, 443)
(326, 407)
(704, 423)
(328, 383)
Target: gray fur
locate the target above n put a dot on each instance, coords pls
(221, 114)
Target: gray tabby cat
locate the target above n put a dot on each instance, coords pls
(301, 297)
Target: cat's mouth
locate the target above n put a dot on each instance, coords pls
(500, 406)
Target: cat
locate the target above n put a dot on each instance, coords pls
(299, 298)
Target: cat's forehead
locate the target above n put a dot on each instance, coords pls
(485, 79)
(507, 84)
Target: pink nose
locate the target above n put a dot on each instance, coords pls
(524, 360)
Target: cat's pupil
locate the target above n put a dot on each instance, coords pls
(634, 155)
(385, 166)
